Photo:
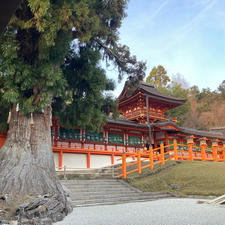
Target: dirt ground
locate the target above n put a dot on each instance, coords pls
(9, 206)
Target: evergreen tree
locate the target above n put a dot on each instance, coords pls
(83, 104)
(158, 77)
(180, 112)
(50, 52)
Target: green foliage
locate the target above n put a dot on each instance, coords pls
(205, 93)
(4, 106)
(35, 52)
(194, 90)
(221, 89)
(158, 77)
(175, 90)
(84, 103)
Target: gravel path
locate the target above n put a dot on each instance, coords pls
(165, 211)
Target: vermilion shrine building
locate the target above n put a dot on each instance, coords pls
(142, 123)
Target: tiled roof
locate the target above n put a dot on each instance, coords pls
(122, 121)
(152, 92)
(184, 130)
(189, 131)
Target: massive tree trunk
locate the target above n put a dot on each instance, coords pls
(26, 159)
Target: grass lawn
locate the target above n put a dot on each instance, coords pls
(193, 178)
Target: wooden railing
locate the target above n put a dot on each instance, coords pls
(138, 112)
(164, 153)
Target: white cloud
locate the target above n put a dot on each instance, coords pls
(183, 31)
(158, 10)
(200, 2)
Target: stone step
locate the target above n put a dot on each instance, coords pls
(87, 176)
(99, 193)
(122, 198)
(77, 203)
(100, 189)
(93, 184)
(99, 181)
(87, 192)
(104, 196)
(106, 185)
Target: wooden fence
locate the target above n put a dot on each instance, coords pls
(173, 151)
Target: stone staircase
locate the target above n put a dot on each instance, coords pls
(89, 192)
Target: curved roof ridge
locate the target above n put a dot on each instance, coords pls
(152, 90)
(147, 84)
(192, 131)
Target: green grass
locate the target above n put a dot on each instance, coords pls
(194, 178)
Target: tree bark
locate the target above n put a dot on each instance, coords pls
(26, 160)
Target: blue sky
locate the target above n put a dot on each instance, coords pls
(184, 36)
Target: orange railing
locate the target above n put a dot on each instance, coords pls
(164, 153)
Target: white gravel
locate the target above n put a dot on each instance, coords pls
(165, 211)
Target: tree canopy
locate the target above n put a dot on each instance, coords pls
(43, 49)
(175, 90)
(207, 108)
(158, 77)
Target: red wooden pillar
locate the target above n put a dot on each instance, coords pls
(139, 160)
(190, 143)
(203, 147)
(88, 159)
(124, 166)
(151, 156)
(60, 159)
(175, 149)
(214, 150)
(162, 153)
(112, 158)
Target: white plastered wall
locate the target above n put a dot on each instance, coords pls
(74, 161)
(98, 161)
(79, 161)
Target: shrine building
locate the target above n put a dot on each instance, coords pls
(142, 123)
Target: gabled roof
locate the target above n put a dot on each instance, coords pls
(125, 122)
(152, 92)
(190, 131)
(184, 130)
